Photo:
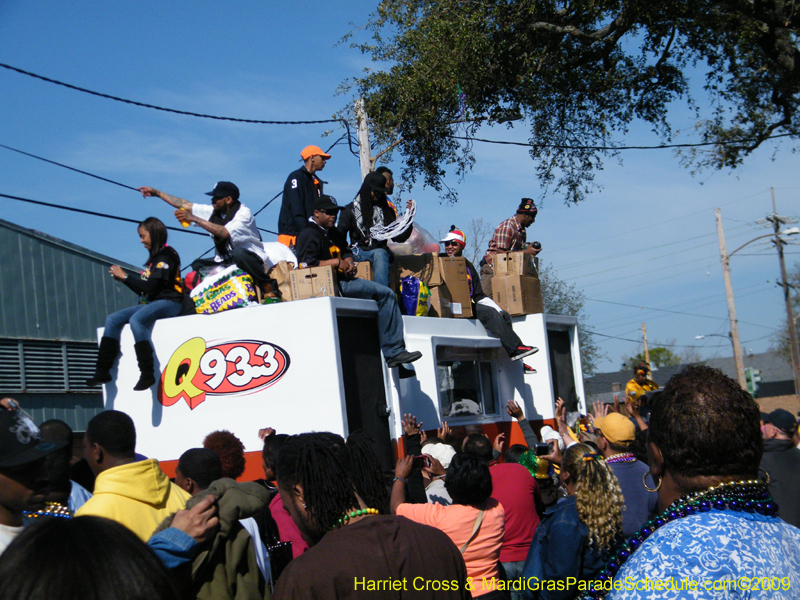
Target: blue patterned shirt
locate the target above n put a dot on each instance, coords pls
(726, 554)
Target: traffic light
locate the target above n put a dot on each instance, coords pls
(753, 378)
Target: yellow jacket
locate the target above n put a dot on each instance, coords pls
(636, 391)
(138, 495)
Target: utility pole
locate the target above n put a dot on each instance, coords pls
(776, 224)
(364, 150)
(646, 352)
(726, 272)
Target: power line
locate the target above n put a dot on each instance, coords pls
(659, 147)
(170, 110)
(91, 212)
(108, 181)
(52, 162)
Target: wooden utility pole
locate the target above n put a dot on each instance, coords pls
(726, 272)
(646, 352)
(776, 223)
(364, 150)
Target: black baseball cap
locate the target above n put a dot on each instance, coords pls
(326, 203)
(783, 420)
(20, 440)
(376, 182)
(527, 207)
(223, 189)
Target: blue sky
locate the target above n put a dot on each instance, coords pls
(647, 239)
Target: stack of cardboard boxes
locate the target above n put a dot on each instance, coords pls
(445, 276)
(515, 285)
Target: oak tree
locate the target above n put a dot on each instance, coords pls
(580, 72)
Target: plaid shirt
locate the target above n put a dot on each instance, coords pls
(508, 237)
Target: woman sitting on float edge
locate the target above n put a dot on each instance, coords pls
(162, 296)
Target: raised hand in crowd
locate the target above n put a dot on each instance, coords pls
(434, 468)
(9, 404)
(497, 445)
(410, 425)
(555, 453)
(561, 417)
(443, 432)
(634, 412)
(600, 409)
(514, 410)
(265, 433)
(200, 522)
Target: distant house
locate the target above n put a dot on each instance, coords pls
(776, 377)
(53, 297)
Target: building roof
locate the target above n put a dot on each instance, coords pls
(54, 290)
(776, 376)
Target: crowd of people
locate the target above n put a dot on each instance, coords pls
(685, 491)
(710, 512)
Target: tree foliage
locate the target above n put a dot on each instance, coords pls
(561, 298)
(662, 356)
(659, 357)
(580, 72)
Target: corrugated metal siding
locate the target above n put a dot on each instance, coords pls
(76, 410)
(53, 290)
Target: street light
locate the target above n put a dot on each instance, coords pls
(725, 258)
(728, 336)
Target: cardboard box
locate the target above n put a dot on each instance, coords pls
(364, 270)
(514, 263)
(454, 276)
(281, 273)
(518, 295)
(440, 302)
(312, 282)
(424, 267)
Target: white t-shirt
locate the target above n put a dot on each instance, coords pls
(242, 229)
(7, 534)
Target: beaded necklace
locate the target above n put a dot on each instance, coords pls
(353, 514)
(621, 458)
(748, 496)
(51, 509)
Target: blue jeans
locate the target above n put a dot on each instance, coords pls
(379, 259)
(514, 571)
(141, 318)
(390, 321)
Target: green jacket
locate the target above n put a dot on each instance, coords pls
(225, 567)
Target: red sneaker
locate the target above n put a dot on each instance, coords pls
(523, 351)
(529, 370)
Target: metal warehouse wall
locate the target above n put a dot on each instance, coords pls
(53, 297)
(51, 289)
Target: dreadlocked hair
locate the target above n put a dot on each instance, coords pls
(599, 499)
(312, 461)
(365, 471)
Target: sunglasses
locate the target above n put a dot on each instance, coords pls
(331, 212)
(452, 243)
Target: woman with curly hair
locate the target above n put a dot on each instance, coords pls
(578, 533)
(230, 450)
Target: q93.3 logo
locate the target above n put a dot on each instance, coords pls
(196, 369)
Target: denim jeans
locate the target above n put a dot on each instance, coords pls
(496, 325)
(379, 259)
(513, 571)
(141, 318)
(390, 321)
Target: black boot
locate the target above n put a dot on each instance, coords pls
(144, 355)
(109, 348)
